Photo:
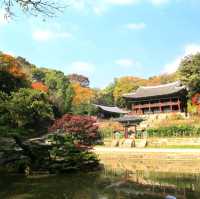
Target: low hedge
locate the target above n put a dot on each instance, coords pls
(174, 131)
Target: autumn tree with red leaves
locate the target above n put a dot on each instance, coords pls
(39, 86)
(82, 128)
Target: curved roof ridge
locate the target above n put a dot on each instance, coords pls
(176, 83)
(150, 91)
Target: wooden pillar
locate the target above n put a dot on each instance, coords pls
(126, 132)
(140, 112)
(179, 105)
(160, 106)
(149, 107)
(135, 128)
(171, 104)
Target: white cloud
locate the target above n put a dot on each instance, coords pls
(190, 49)
(122, 2)
(83, 68)
(46, 35)
(127, 63)
(159, 2)
(135, 26)
(101, 6)
(99, 10)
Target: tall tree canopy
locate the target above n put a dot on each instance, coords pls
(59, 89)
(126, 85)
(12, 65)
(105, 96)
(82, 94)
(38, 75)
(9, 82)
(82, 80)
(12, 74)
(189, 72)
(82, 100)
(28, 109)
(162, 79)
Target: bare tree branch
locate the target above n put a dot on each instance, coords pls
(46, 8)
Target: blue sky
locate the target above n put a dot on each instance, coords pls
(104, 39)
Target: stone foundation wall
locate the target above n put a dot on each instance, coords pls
(195, 141)
(155, 142)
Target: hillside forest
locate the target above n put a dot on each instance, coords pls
(37, 101)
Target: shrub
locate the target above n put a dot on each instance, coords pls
(65, 156)
(82, 128)
(174, 131)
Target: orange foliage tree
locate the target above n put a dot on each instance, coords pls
(39, 86)
(162, 79)
(125, 85)
(11, 65)
(82, 95)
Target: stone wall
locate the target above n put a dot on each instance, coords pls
(156, 142)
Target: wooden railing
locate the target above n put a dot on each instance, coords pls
(161, 104)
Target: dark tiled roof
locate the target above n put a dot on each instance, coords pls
(150, 91)
(112, 109)
(128, 118)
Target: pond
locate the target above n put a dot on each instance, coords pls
(121, 179)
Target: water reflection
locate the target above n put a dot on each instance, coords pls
(157, 178)
(114, 182)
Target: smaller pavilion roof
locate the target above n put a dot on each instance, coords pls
(112, 109)
(129, 119)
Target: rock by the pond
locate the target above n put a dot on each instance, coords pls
(115, 143)
(140, 143)
(129, 143)
(121, 142)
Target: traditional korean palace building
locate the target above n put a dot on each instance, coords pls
(158, 99)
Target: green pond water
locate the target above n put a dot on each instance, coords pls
(113, 182)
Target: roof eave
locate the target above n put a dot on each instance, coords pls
(167, 94)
